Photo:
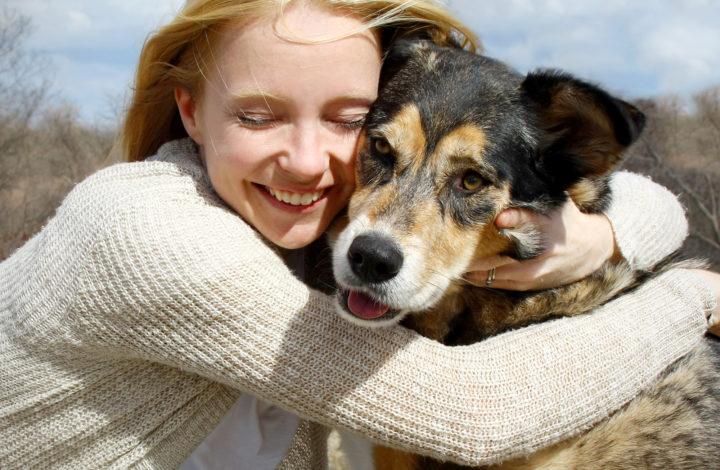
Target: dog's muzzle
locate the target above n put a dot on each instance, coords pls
(373, 258)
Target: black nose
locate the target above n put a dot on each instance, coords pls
(375, 257)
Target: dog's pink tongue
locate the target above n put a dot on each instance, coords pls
(365, 307)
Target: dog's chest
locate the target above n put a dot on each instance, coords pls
(468, 315)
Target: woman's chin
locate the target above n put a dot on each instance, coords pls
(297, 236)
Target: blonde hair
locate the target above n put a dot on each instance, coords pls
(174, 56)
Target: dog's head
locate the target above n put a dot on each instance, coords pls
(454, 139)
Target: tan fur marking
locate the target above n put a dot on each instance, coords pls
(490, 242)
(450, 244)
(406, 136)
(431, 61)
(584, 192)
(464, 141)
(385, 458)
(359, 200)
(382, 199)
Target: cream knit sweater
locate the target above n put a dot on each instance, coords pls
(134, 319)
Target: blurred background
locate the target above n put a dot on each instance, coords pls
(66, 68)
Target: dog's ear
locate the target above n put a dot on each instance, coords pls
(586, 128)
(400, 54)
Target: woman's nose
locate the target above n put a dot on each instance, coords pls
(307, 156)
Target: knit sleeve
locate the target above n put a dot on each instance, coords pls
(648, 220)
(190, 285)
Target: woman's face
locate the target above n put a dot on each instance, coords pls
(277, 121)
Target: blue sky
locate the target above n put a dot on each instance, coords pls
(635, 48)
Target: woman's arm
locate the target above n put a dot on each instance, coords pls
(176, 280)
(648, 220)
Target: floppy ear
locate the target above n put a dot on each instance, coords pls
(586, 129)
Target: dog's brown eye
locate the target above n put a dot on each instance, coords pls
(382, 146)
(472, 181)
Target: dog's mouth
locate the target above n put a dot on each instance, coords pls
(365, 307)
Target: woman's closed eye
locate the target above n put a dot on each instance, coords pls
(256, 120)
(350, 122)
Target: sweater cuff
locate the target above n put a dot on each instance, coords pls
(648, 220)
(695, 286)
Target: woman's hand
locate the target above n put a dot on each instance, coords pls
(576, 245)
(713, 280)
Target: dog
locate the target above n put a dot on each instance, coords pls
(454, 139)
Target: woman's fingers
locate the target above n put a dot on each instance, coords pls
(486, 264)
(511, 218)
(576, 244)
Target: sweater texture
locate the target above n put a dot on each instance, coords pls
(132, 322)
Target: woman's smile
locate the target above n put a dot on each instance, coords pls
(292, 198)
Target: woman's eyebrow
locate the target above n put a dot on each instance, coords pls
(254, 95)
(259, 96)
(360, 99)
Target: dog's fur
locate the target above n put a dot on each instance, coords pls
(454, 139)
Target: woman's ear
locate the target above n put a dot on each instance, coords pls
(187, 109)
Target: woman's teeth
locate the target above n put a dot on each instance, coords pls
(295, 199)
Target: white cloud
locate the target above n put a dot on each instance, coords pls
(66, 23)
(78, 21)
(685, 55)
(637, 48)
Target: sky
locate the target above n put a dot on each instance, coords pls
(634, 48)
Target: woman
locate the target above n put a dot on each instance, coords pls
(157, 298)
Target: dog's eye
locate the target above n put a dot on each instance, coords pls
(472, 181)
(382, 146)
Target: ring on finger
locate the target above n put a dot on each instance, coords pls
(491, 277)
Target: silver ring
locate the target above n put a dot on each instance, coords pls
(491, 277)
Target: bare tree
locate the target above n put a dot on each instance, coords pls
(44, 147)
(707, 104)
(23, 85)
(21, 95)
(681, 149)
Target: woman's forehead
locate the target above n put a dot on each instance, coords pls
(309, 37)
(255, 56)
